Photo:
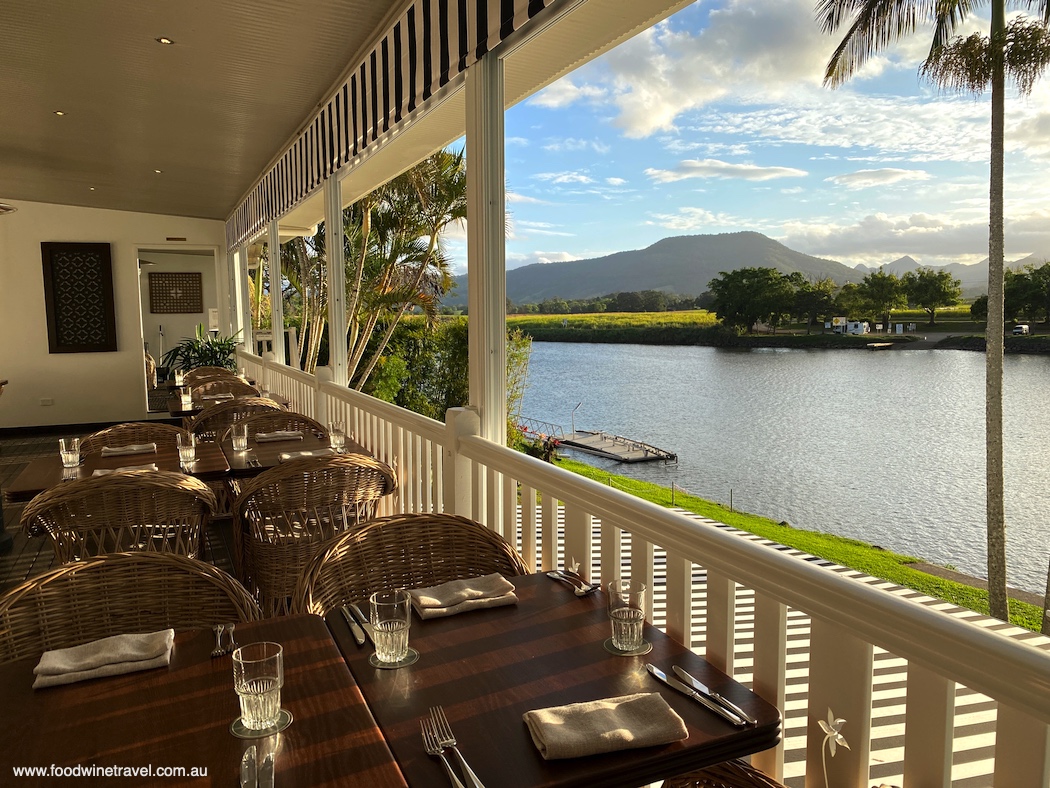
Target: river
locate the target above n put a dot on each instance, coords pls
(885, 447)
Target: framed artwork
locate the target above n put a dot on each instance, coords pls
(175, 293)
(78, 297)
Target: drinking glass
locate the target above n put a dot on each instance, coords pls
(258, 675)
(391, 615)
(627, 613)
(336, 434)
(240, 437)
(187, 448)
(180, 378)
(69, 450)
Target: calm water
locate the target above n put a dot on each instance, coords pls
(885, 447)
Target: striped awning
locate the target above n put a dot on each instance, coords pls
(429, 45)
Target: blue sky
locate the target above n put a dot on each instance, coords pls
(716, 121)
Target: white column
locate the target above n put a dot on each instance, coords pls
(273, 263)
(460, 422)
(233, 312)
(486, 269)
(333, 242)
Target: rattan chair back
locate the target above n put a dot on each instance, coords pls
(272, 421)
(402, 551)
(154, 511)
(116, 594)
(728, 774)
(284, 515)
(135, 432)
(234, 386)
(212, 423)
(194, 376)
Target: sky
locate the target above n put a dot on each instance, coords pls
(716, 121)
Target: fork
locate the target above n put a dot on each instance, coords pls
(430, 744)
(447, 739)
(233, 643)
(218, 651)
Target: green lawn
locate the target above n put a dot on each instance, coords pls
(849, 552)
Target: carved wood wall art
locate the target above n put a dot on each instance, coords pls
(78, 297)
(175, 293)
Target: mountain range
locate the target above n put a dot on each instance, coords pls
(686, 264)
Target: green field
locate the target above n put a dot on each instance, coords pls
(697, 318)
(849, 552)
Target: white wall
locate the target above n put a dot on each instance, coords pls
(177, 326)
(86, 387)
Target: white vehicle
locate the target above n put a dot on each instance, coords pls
(1021, 329)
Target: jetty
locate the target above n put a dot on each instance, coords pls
(614, 447)
(880, 346)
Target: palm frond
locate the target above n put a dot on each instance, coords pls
(876, 24)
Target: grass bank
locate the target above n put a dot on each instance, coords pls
(848, 552)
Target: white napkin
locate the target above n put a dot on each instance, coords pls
(279, 435)
(216, 396)
(106, 471)
(597, 726)
(459, 596)
(134, 448)
(110, 656)
(291, 455)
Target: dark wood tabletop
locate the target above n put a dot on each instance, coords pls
(180, 716)
(43, 473)
(268, 453)
(488, 667)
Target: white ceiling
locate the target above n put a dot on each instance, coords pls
(210, 111)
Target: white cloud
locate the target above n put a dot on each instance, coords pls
(866, 179)
(694, 219)
(615, 181)
(524, 198)
(713, 168)
(520, 260)
(572, 144)
(522, 141)
(565, 92)
(540, 228)
(563, 177)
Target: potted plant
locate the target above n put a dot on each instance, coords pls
(203, 350)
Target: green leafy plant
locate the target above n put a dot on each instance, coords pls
(203, 350)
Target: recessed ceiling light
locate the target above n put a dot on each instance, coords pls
(158, 171)
(4, 209)
(59, 112)
(164, 40)
(91, 188)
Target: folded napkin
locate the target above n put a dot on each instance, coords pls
(279, 435)
(216, 396)
(107, 657)
(106, 471)
(134, 448)
(291, 455)
(459, 596)
(624, 723)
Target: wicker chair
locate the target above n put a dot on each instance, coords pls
(155, 511)
(212, 422)
(402, 551)
(194, 376)
(134, 432)
(115, 594)
(284, 514)
(730, 774)
(234, 386)
(272, 421)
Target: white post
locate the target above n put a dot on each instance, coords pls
(323, 375)
(232, 293)
(333, 243)
(273, 265)
(245, 302)
(486, 254)
(459, 423)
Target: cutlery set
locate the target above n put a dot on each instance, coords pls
(698, 691)
(437, 737)
(572, 577)
(255, 774)
(360, 626)
(221, 650)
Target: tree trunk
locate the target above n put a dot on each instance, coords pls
(998, 601)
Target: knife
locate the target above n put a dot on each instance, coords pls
(685, 689)
(248, 777)
(700, 687)
(266, 772)
(366, 625)
(355, 628)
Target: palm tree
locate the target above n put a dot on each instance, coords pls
(1019, 51)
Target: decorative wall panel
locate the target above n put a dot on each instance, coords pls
(78, 297)
(175, 293)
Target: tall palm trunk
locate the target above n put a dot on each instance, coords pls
(998, 601)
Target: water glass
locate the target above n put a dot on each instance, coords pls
(240, 437)
(69, 450)
(391, 615)
(336, 434)
(187, 448)
(180, 378)
(258, 675)
(627, 613)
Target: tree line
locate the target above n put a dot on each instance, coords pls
(748, 296)
(1026, 295)
(643, 301)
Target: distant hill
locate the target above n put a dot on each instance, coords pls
(683, 265)
(974, 277)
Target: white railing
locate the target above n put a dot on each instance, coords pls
(448, 467)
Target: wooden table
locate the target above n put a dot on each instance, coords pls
(180, 716)
(44, 473)
(268, 453)
(489, 667)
